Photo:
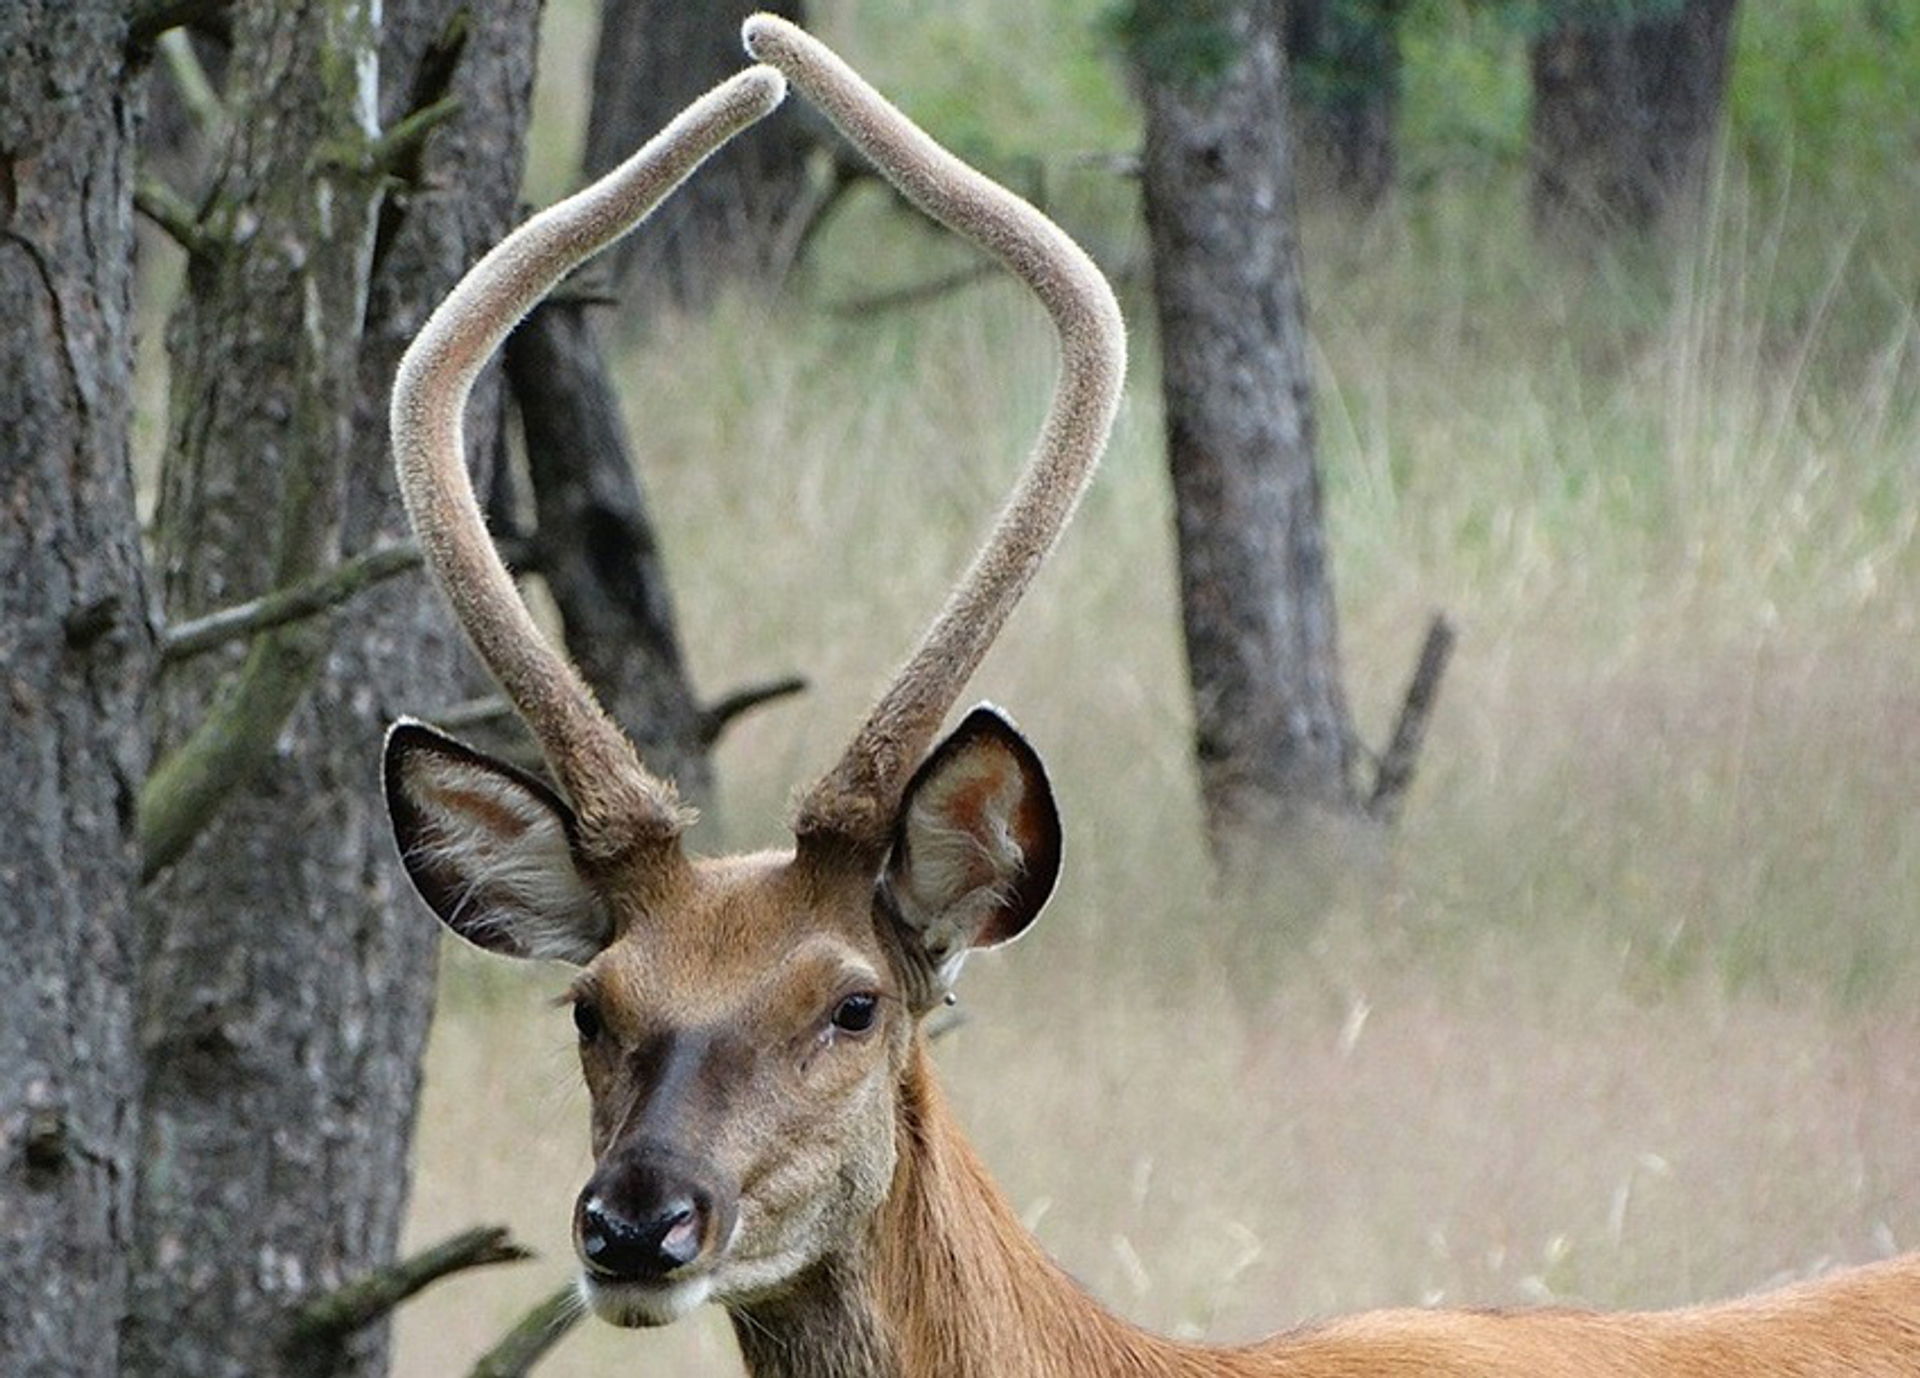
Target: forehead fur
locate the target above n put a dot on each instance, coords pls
(731, 928)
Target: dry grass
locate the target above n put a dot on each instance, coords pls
(1626, 1013)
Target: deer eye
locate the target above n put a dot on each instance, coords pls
(856, 1013)
(586, 1019)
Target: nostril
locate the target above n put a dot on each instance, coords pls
(613, 1246)
(605, 1240)
(683, 1225)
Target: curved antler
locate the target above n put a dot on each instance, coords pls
(618, 803)
(856, 800)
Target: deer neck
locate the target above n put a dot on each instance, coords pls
(948, 1283)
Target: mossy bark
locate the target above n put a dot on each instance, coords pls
(284, 1003)
(76, 655)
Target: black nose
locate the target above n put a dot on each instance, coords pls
(644, 1232)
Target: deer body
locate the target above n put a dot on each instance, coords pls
(951, 1284)
(767, 1133)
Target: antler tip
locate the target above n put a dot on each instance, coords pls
(763, 32)
(761, 88)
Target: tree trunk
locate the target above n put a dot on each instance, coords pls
(736, 221)
(286, 1001)
(596, 544)
(1345, 60)
(1270, 714)
(76, 653)
(1624, 118)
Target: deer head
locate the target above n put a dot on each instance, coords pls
(745, 1022)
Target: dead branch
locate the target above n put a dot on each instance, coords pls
(479, 712)
(152, 18)
(1395, 773)
(718, 716)
(916, 294)
(333, 1316)
(538, 1331)
(398, 149)
(196, 635)
(197, 92)
(173, 213)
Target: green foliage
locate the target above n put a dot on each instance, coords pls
(1535, 17)
(1343, 51)
(1825, 94)
(1003, 84)
(1176, 42)
(1464, 94)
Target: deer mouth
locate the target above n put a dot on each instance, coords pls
(638, 1305)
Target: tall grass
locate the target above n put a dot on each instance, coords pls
(1627, 1015)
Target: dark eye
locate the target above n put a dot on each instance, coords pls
(856, 1013)
(587, 1020)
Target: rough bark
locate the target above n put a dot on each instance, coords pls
(1345, 56)
(75, 655)
(596, 546)
(1273, 735)
(1624, 118)
(736, 221)
(285, 1005)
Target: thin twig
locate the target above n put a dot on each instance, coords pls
(472, 713)
(196, 89)
(329, 590)
(337, 1314)
(718, 716)
(1123, 165)
(586, 294)
(173, 213)
(538, 1331)
(152, 18)
(943, 1022)
(1396, 763)
(916, 294)
(394, 150)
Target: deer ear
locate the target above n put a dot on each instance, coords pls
(490, 849)
(976, 847)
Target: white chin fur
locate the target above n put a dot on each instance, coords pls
(633, 1304)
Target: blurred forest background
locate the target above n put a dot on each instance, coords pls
(1623, 1010)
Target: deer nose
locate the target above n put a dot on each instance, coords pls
(645, 1229)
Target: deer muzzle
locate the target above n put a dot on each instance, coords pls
(647, 1227)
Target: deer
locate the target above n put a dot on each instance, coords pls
(767, 1130)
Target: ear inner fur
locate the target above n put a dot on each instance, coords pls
(977, 847)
